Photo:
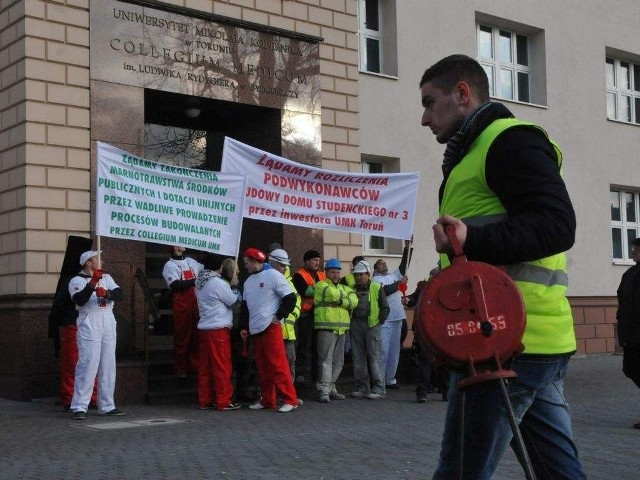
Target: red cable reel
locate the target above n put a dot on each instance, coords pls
(472, 314)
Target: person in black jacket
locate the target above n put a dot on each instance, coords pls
(62, 321)
(429, 373)
(504, 197)
(64, 313)
(628, 317)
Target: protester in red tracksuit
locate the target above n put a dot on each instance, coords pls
(216, 300)
(268, 298)
(180, 273)
(65, 314)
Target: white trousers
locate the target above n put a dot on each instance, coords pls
(391, 331)
(96, 356)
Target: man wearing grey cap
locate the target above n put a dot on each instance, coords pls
(94, 292)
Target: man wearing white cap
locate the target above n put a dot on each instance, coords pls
(279, 259)
(180, 273)
(366, 337)
(94, 292)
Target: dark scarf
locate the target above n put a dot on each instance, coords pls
(474, 125)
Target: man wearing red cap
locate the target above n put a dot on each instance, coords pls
(268, 299)
(180, 274)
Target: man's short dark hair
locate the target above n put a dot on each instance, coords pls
(213, 261)
(356, 259)
(446, 73)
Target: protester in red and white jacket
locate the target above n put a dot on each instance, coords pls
(180, 274)
(268, 299)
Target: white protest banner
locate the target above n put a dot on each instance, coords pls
(282, 191)
(147, 201)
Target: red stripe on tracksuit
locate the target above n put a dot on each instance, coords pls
(185, 331)
(273, 367)
(68, 362)
(214, 375)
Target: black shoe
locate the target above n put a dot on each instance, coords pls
(114, 413)
(79, 415)
(421, 399)
(232, 406)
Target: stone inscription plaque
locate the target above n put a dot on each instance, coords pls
(145, 47)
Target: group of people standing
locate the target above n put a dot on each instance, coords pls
(295, 324)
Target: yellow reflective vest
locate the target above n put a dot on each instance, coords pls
(288, 327)
(332, 306)
(543, 283)
(374, 307)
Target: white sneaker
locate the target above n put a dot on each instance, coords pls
(358, 394)
(300, 402)
(256, 406)
(374, 396)
(286, 408)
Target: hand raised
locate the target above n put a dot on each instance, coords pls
(95, 278)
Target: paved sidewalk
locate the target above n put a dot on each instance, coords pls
(394, 438)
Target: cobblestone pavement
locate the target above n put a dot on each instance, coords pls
(394, 438)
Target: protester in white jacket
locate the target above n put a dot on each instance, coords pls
(392, 328)
(216, 297)
(94, 292)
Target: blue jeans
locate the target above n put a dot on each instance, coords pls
(540, 408)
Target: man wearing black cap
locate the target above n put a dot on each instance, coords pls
(304, 282)
(628, 317)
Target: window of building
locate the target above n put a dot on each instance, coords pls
(625, 223)
(505, 56)
(377, 36)
(374, 245)
(623, 90)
